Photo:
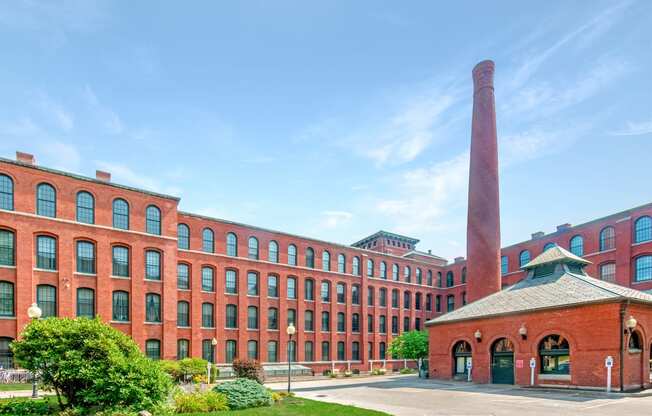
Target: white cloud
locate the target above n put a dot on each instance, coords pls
(633, 128)
(61, 155)
(124, 174)
(333, 219)
(55, 111)
(109, 118)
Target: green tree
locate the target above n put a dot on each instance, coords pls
(410, 345)
(91, 364)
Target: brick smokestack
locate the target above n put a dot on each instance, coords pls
(483, 221)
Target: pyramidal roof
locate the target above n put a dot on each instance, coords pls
(556, 279)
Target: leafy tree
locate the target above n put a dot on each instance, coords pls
(410, 345)
(91, 364)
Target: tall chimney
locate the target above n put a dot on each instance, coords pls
(483, 221)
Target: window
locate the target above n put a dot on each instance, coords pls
(183, 314)
(231, 316)
(417, 301)
(121, 214)
(7, 248)
(325, 321)
(252, 252)
(183, 347)
(407, 274)
(46, 200)
(207, 315)
(555, 355)
(395, 272)
(429, 279)
(46, 252)
(183, 276)
(207, 350)
(394, 324)
(382, 297)
(577, 245)
(153, 349)
(341, 351)
(310, 258)
(6, 299)
(252, 317)
(120, 261)
(152, 307)
(292, 317)
(355, 322)
(608, 272)
(355, 351)
(439, 279)
(85, 302)
(272, 351)
(326, 261)
(46, 298)
(272, 286)
(524, 258)
(6, 193)
(153, 220)
(383, 270)
(307, 351)
(463, 298)
(407, 300)
(341, 292)
(382, 324)
(231, 245)
(230, 350)
(548, 246)
(370, 296)
(231, 283)
(355, 295)
(463, 280)
(309, 289)
(643, 229)
(85, 207)
(607, 238)
(462, 355)
(406, 324)
(325, 351)
(355, 267)
(183, 237)
(152, 265)
(370, 323)
(634, 343)
(252, 284)
(252, 350)
(643, 268)
(450, 303)
(438, 303)
(120, 306)
(85, 257)
(341, 322)
(308, 322)
(504, 265)
(382, 351)
(325, 292)
(207, 279)
(292, 288)
(272, 318)
(450, 279)
(370, 267)
(208, 240)
(272, 251)
(419, 277)
(292, 255)
(429, 302)
(341, 263)
(395, 299)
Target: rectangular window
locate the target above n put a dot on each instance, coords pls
(608, 272)
(6, 299)
(183, 314)
(85, 303)
(394, 324)
(152, 308)
(120, 261)
(120, 306)
(207, 280)
(272, 286)
(85, 257)
(231, 282)
(272, 318)
(231, 351)
(292, 288)
(207, 315)
(152, 265)
(504, 264)
(252, 284)
(325, 321)
(231, 316)
(183, 276)
(252, 317)
(153, 349)
(7, 251)
(309, 290)
(46, 298)
(46, 253)
(308, 322)
(183, 346)
(272, 352)
(325, 351)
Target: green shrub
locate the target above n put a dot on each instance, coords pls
(172, 368)
(407, 371)
(25, 407)
(250, 369)
(243, 393)
(188, 369)
(326, 373)
(91, 364)
(208, 401)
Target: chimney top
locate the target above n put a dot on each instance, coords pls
(25, 158)
(563, 227)
(483, 75)
(538, 234)
(103, 176)
(459, 259)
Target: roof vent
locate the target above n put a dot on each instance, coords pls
(26, 158)
(563, 227)
(103, 176)
(538, 234)
(429, 251)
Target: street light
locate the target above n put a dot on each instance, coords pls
(290, 331)
(214, 344)
(34, 312)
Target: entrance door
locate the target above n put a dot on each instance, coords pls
(502, 362)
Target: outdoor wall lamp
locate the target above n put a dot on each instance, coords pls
(523, 331)
(478, 335)
(630, 324)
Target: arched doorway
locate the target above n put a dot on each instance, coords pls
(502, 362)
(461, 357)
(635, 350)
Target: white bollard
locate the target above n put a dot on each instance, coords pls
(533, 364)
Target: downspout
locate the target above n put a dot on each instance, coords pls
(623, 310)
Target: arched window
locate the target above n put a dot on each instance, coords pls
(450, 303)
(310, 257)
(341, 351)
(85, 207)
(341, 263)
(407, 273)
(207, 315)
(309, 289)
(395, 272)
(6, 355)
(503, 345)
(231, 282)
(272, 351)
(382, 324)
(252, 317)
(439, 279)
(308, 322)
(231, 350)
(325, 321)
(524, 258)
(429, 302)
(417, 301)
(463, 275)
(382, 297)
(183, 347)
(325, 292)
(85, 257)
(6, 193)
(419, 277)
(370, 296)
(554, 353)
(461, 357)
(341, 322)
(183, 237)
(120, 306)
(207, 350)
(370, 267)
(46, 298)
(253, 248)
(183, 314)
(607, 238)
(450, 279)
(152, 307)
(85, 302)
(292, 255)
(252, 350)
(272, 252)
(395, 299)
(231, 316)
(407, 300)
(152, 265)
(355, 295)
(207, 279)
(183, 276)
(120, 214)
(382, 351)
(307, 351)
(383, 270)
(548, 246)
(429, 278)
(208, 240)
(341, 292)
(231, 245)
(504, 265)
(355, 266)
(634, 343)
(272, 286)
(326, 261)
(272, 318)
(252, 284)
(153, 220)
(355, 322)
(643, 229)
(6, 298)
(291, 288)
(325, 351)
(643, 268)
(153, 349)
(46, 200)
(7, 248)
(576, 245)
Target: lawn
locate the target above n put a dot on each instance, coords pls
(297, 406)
(15, 386)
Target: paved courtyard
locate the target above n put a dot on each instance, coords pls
(410, 396)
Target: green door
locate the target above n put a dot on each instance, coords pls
(502, 368)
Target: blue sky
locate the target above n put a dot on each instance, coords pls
(335, 119)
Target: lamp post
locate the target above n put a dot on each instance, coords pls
(290, 331)
(34, 312)
(214, 354)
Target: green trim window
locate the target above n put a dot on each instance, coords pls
(576, 245)
(183, 313)
(395, 299)
(504, 265)
(231, 282)
(325, 351)
(153, 307)
(407, 274)
(326, 261)
(355, 322)
(46, 298)
(341, 322)
(382, 324)
(153, 220)
(310, 258)
(6, 193)
(341, 351)
(252, 317)
(252, 248)
(292, 288)
(292, 255)
(370, 324)
(183, 276)
(370, 267)
(85, 302)
(355, 351)
(231, 350)
(207, 279)
(607, 238)
(272, 286)
(292, 317)
(417, 301)
(208, 240)
(231, 316)
(308, 321)
(85, 207)
(152, 265)
(325, 321)
(407, 300)
(340, 289)
(6, 299)
(272, 252)
(643, 229)
(383, 270)
(120, 261)
(429, 302)
(325, 292)
(309, 289)
(252, 284)
(183, 237)
(7, 248)
(252, 349)
(461, 357)
(382, 297)
(231, 245)
(450, 279)
(120, 214)
(153, 349)
(272, 318)
(395, 272)
(207, 315)
(370, 296)
(6, 355)
(548, 246)
(272, 351)
(341, 263)
(555, 355)
(46, 252)
(429, 278)
(524, 258)
(120, 306)
(85, 257)
(419, 276)
(355, 266)
(292, 351)
(450, 303)
(382, 351)
(183, 348)
(208, 350)
(46, 200)
(355, 295)
(643, 268)
(308, 351)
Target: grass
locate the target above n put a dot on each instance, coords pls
(298, 406)
(15, 386)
